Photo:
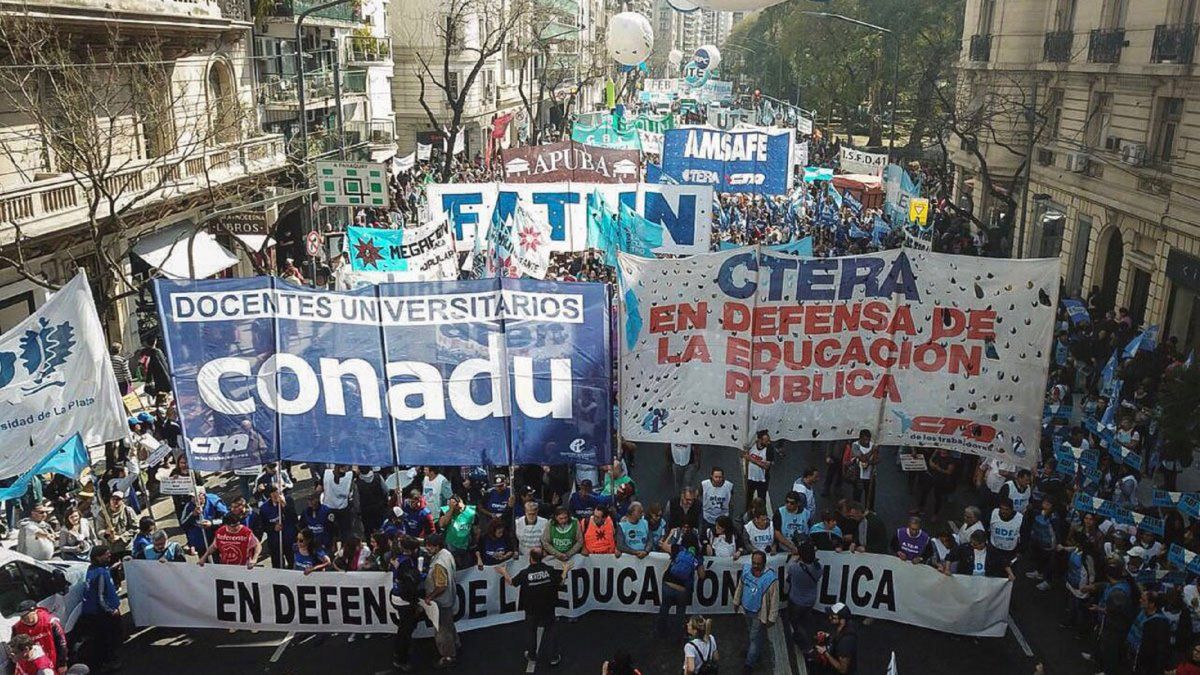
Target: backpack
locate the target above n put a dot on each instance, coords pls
(683, 565)
(407, 584)
(706, 666)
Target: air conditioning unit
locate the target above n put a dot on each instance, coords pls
(1077, 162)
(1133, 154)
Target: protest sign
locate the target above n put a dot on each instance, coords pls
(756, 161)
(685, 211)
(570, 161)
(604, 135)
(176, 485)
(652, 142)
(859, 161)
(227, 596)
(800, 154)
(450, 372)
(423, 253)
(928, 350)
(55, 380)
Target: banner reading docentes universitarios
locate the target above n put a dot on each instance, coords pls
(757, 161)
(55, 380)
(685, 211)
(220, 596)
(483, 372)
(925, 349)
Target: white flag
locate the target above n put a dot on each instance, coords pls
(56, 380)
(424, 152)
(401, 164)
(531, 243)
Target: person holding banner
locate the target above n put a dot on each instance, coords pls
(234, 544)
(539, 584)
(277, 520)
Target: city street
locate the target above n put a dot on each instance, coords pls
(588, 642)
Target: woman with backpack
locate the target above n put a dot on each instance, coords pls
(700, 651)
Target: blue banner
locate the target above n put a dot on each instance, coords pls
(756, 161)
(443, 373)
(1077, 311)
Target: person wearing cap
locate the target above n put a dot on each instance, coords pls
(439, 589)
(43, 629)
(161, 549)
(34, 536)
(118, 524)
(757, 600)
(840, 655)
(277, 519)
(497, 502)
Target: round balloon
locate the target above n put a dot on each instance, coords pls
(675, 57)
(630, 38)
(707, 57)
(687, 6)
(735, 5)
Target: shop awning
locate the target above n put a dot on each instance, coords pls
(256, 242)
(168, 250)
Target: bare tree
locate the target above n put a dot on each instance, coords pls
(568, 63)
(124, 121)
(468, 35)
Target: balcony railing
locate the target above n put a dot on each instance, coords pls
(1104, 45)
(1057, 47)
(368, 50)
(1174, 43)
(981, 48)
(371, 132)
(292, 8)
(318, 85)
(61, 202)
(234, 10)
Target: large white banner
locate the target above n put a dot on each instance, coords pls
(55, 380)
(227, 596)
(924, 349)
(685, 211)
(858, 161)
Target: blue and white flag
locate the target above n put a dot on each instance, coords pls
(481, 372)
(812, 174)
(853, 204)
(834, 195)
(1108, 373)
(68, 458)
(1146, 340)
(1076, 311)
(56, 380)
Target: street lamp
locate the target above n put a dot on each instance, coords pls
(895, 75)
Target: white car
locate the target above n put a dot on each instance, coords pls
(57, 585)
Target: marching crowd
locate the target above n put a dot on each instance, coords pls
(1130, 591)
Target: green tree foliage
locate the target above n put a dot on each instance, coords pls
(836, 69)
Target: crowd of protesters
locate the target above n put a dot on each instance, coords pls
(1127, 591)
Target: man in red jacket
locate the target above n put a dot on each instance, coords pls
(45, 630)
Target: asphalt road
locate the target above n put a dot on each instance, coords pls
(595, 637)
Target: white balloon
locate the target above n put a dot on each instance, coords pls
(735, 5)
(630, 38)
(707, 57)
(675, 57)
(686, 6)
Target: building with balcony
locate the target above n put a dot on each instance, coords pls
(347, 62)
(1103, 100)
(116, 168)
(495, 92)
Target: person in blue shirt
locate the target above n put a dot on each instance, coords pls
(826, 535)
(200, 517)
(496, 546)
(320, 520)
(408, 582)
(308, 555)
(416, 519)
(143, 537)
(161, 549)
(277, 521)
(497, 502)
(100, 613)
